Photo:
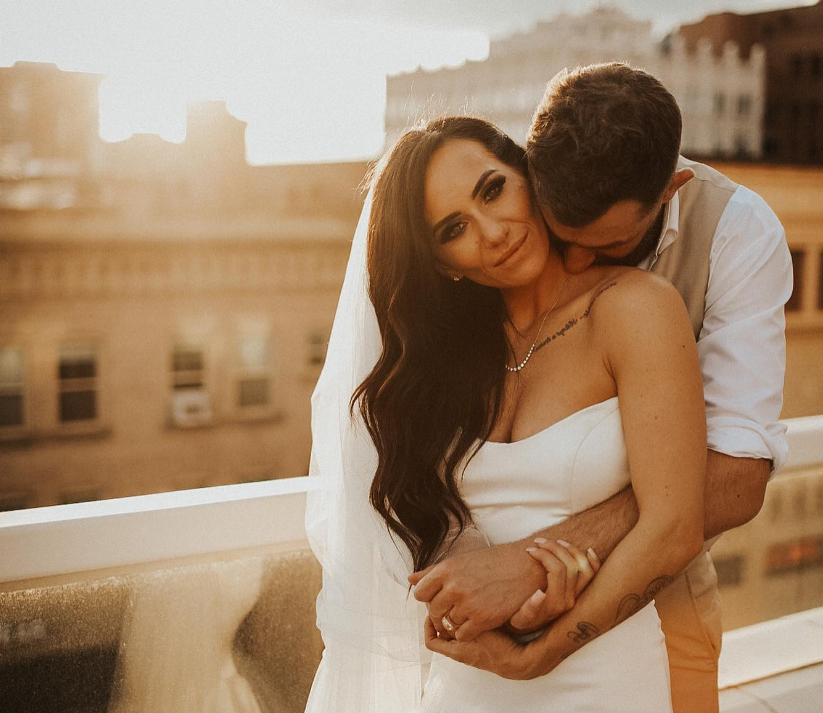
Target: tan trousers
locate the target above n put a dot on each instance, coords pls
(689, 610)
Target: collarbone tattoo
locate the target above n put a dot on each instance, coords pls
(574, 320)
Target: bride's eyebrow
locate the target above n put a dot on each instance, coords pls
(441, 223)
(477, 188)
(481, 181)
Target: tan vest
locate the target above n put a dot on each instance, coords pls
(685, 263)
(689, 608)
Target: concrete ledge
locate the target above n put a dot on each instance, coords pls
(774, 666)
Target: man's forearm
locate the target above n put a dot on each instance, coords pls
(734, 494)
(735, 488)
(489, 585)
(601, 527)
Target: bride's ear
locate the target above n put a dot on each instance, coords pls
(448, 272)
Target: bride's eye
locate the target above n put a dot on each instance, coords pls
(493, 189)
(450, 232)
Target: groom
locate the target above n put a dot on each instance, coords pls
(603, 154)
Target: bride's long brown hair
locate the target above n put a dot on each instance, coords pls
(436, 390)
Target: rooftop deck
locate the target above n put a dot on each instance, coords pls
(226, 572)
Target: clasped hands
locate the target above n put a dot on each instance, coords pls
(487, 595)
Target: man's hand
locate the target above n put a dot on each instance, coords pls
(479, 590)
(491, 651)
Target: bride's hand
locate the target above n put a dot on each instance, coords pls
(568, 573)
(491, 651)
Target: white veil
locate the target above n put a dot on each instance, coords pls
(374, 655)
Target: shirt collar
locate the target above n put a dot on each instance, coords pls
(670, 232)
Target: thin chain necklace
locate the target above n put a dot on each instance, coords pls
(522, 364)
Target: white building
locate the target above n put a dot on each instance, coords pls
(721, 97)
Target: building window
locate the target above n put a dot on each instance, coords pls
(254, 375)
(78, 377)
(729, 570)
(814, 133)
(799, 503)
(772, 113)
(798, 263)
(797, 112)
(744, 105)
(719, 103)
(190, 403)
(12, 388)
(318, 341)
(793, 556)
(775, 502)
(187, 367)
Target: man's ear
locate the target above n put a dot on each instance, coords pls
(678, 180)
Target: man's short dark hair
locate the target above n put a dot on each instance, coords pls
(602, 133)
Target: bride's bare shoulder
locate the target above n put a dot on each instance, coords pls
(628, 295)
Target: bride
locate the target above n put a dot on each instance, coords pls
(474, 387)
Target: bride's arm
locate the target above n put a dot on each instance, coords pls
(648, 346)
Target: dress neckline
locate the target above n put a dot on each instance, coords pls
(551, 426)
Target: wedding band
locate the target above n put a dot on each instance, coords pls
(448, 624)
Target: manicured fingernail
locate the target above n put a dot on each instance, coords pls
(531, 549)
(564, 543)
(540, 540)
(537, 597)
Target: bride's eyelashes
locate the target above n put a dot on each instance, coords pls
(491, 191)
(452, 231)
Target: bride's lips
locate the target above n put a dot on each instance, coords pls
(510, 251)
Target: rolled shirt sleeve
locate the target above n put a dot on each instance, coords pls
(742, 344)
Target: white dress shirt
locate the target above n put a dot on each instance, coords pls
(742, 344)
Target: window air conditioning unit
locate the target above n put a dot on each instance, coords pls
(190, 408)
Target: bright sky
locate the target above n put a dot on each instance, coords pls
(310, 87)
(308, 76)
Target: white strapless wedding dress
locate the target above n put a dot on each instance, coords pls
(515, 489)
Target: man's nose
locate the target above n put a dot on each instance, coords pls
(577, 259)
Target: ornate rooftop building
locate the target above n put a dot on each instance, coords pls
(50, 149)
(721, 97)
(793, 42)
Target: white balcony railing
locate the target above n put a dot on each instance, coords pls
(79, 542)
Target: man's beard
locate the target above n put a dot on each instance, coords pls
(644, 248)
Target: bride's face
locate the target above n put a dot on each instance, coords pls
(484, 223)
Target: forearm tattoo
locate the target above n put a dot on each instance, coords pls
(633, 603)
(585, 632)
(573, 321)
(630, 604)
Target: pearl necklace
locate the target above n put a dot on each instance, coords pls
(522, 364)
